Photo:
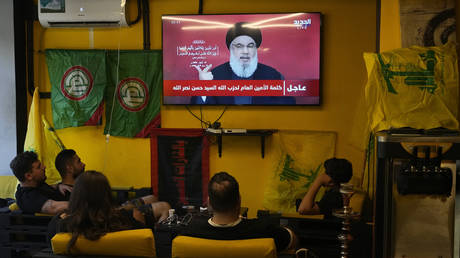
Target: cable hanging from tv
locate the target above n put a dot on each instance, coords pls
(207, 124)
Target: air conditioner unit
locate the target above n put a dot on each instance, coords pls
(82, 13)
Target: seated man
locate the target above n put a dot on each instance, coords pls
(226, 223)
(70, 166)
(337, 171)
(33, 194)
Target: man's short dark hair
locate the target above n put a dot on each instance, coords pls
(224, 192)
(242, 28)
(22, 164)
(340, 170)
(62, 160)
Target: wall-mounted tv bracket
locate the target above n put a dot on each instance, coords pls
(241, 132)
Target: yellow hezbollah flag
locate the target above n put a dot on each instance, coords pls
(51, 148)
(42, 140)
(412, 87)
(34, 136)
(298, 160)
(409, 87)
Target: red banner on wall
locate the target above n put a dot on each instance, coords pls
(180, 166)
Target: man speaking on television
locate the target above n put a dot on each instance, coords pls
(243, 42)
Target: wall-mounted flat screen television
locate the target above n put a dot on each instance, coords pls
(242, 59)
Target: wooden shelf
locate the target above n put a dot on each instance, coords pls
(262, 133)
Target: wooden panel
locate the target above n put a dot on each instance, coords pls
(427, 22)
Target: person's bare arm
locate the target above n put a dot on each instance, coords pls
(308, 206)
(149, 199)
(137, 215)
(54, 207)
(136, 203)
(160, 210)
(62, 188)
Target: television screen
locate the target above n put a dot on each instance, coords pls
(242, 59)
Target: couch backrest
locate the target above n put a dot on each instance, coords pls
(136, 242)
(188, 247)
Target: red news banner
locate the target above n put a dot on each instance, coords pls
(241, 88)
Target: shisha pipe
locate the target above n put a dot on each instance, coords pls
(347, 214)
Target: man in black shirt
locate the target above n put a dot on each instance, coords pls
(69, 166)
(33, 194)
(226, 223)
(337, 171)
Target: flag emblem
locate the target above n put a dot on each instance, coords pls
(77, 82)
(132, 94)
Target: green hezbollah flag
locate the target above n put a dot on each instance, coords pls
(78, 79)
(133, 102)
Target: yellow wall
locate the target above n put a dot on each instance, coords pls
(349, 29)
(390, 31)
